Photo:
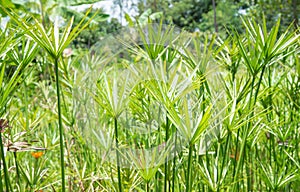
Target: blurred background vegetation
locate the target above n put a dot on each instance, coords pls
(218, 16)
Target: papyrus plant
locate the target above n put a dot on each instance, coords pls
(9, 80)
(54, 41)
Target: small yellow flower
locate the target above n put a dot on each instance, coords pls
(37, 154)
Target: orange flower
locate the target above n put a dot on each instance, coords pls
(37, 154)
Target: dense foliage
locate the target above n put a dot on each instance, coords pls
(151, 107)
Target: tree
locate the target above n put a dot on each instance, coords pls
(183, 13)
(225, 16)
(199, 14)
(47, 10)
(288, 10)
(94, 32)
(188, 14)
(154, 5)
(44, 10)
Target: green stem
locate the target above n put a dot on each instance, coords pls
(157, 181)
(189, 170)
(235, 155)
(174, 164)
(166, 164)
(7, 184)
(225, 155)
(35, 173)
(1, 184)
(247, 157)
(118, 155)
(61, 130)
(147, 186)
(258, 84)
(17, 169)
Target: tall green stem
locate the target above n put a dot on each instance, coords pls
(166, 164)
(174, 164)
(240, 160)
(4, 165)
(225, 154)
(61, 130)
(118, 155)
(17, 169)
(236, 155)
(1, 184)
(246, 128)
(147, 186)
(189, 170)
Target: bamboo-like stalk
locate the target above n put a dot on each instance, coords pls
(1, 184)
(174, 164)
(117, 154)
(189, 170)
(166, 164)
(6, 178)
(225, 154)
(147, 186)
(17, 168)
(61, 129)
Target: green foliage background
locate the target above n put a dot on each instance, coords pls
(218, 110)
